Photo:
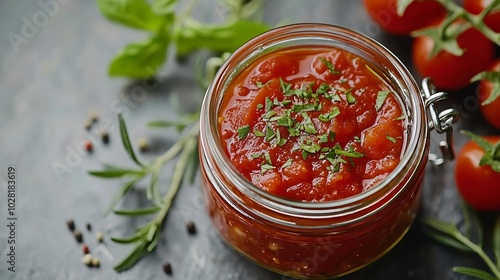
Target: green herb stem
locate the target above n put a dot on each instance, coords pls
(180, 166)
(479, 251)
(476, 21)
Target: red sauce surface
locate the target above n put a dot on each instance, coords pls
(305, 124)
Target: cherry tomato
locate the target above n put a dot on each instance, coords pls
(417, 15)
(478, 185)
(476, 6)
(491, 111)
(450, 71)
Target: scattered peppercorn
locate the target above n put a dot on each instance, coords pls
(71, 225)
(87, 259)
(78, 236)
(143, 144)
(88, 146)
(105, 137)
(87, 124)
(95, 262)
(94, 116)
(191, 228)
(85, 249)
(89, 227)
(99, 236)
(167, 268)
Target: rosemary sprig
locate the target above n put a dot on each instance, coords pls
(448, 234)
(146, 238)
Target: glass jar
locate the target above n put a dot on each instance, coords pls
(318, 240)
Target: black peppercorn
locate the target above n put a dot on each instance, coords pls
(105, 137)
(71, 225)
(89, 227)
(78, 236)
(191, 228)
(167, 268)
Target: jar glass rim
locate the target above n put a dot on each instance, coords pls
(256, 46)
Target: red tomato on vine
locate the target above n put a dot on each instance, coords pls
(489, 93)
(477, 6)
(417, 15)
(477, 172)
(452, 71)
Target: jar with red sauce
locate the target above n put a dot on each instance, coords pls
(313, 145)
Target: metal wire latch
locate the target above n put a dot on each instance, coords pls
(441, 122)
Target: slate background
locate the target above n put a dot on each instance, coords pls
(58, 75)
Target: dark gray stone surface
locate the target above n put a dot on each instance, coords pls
(52, 80)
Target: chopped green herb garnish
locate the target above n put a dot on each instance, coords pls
(259, 106)
(322, 89)
(349, 153)
(310, 148)
(332, 135)
(280, 141)
(299, 107)
(256, 155)
(285, 87)
(269, 114)
(390, 138)
(329, 65)
(276, 102)
(285, 121)
(330, 115)
(243, 131)
(286, 102)
(402, 117)
(343, 81)
(266, 167)
(258, 133)
(349, 97)
(287, 163)
(308, 124)
(323, 138)
(259, 84)
(269, 104)
(381, 96)
(267, 157)
(357, 139)
(269, 134)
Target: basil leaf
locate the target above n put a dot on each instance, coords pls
(164, 7)
(140, 59)
(221, 38)
(131, 13)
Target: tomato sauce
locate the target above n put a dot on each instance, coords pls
(312, 124)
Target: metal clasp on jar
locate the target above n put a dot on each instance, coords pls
(441, 122)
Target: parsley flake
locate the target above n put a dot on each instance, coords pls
(381, 96)
(258, 133)
(287, 163)
(266, 167)
(330, 115)
(349, 97)
(243, 131)
(390, 138)
(329, 65)
(269, 104)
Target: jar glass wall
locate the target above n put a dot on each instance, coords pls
(306, 239)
